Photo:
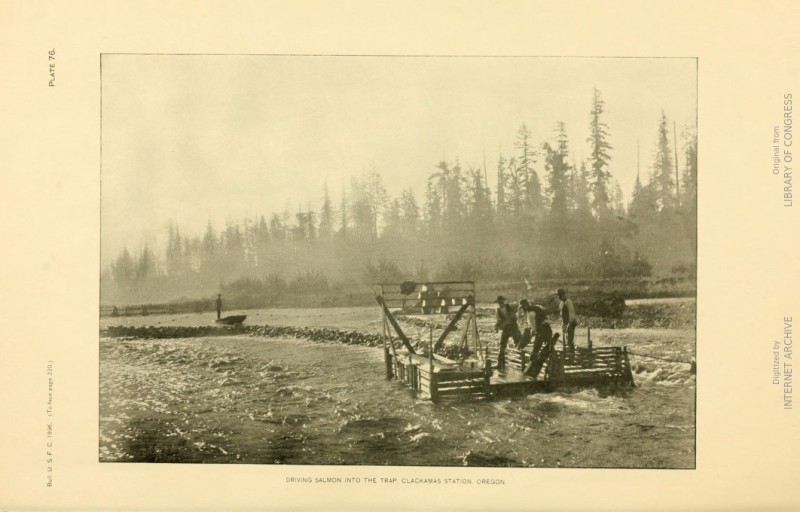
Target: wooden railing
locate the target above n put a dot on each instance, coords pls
(581, 366)
(439, 297)
(592, 366)
(437, 379)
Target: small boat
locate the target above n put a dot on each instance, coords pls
(231, 320)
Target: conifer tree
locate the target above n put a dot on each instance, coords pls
(599, 158)
(579, 187)
(409, 211)
(433, 207)
(558, 171)
(689, 181)
(528, 179)
(501, 208)
(326, 214)
(662, 168)
(343, 218)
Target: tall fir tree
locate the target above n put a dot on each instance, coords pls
(433, 207)
(529, 183)
(663, 169)
(326, 214)
(501, 208)
(343, 217)
(479, 204)
(174, 254)
(558, 173)
(409, 211)
(515, 193)
(689, 181)
(599, 157)
(123, 269)
(580, 192)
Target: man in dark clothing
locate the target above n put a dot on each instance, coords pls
(544, 333)
(219, 305)
(507, 325)
(526, 312)
(542, 343)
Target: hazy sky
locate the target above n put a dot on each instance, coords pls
(199, 138)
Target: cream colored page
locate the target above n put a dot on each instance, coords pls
(747, 445)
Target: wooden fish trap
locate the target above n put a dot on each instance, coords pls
(438, 378)
(566, 367)
(592, 366)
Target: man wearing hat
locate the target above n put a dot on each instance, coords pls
(568, 318)
(507, 325)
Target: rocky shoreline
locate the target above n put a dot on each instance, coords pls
(319, 334)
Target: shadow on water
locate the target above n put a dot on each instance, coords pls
(480, 459)
(154, 440)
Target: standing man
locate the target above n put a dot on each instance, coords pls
(526, 312)
(219, 305)
(507, 325)
(568, 318)
(543, 342)
(543, 336)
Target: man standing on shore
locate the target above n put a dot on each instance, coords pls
(219, 305)
(507, 325)
(568, 318)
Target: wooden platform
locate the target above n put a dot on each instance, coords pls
(441, 378)
(512, 382)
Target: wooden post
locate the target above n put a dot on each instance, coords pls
(590, 355)
(387, 359)
(430, 368)
(628, 370)
(487, 374)
(475, 329)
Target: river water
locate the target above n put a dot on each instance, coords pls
(240, 399)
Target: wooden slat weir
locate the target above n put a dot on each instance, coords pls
(439, 378)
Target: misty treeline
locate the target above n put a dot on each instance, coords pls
(546, 216)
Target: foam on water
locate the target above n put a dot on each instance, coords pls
(258, 400)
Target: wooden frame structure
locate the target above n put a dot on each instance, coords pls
(432, 375)
(436, 377)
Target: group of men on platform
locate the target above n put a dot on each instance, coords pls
(538, 329)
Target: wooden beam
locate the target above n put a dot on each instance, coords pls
(393, 322)
(388, 334)
(430, 369)
(627, 371)
(450, 327)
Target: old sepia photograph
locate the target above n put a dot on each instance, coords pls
(480, 261)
